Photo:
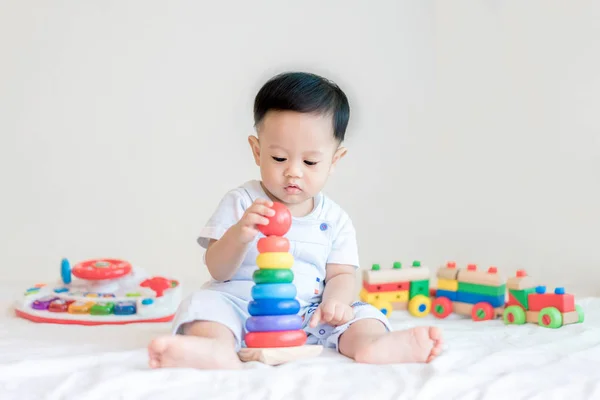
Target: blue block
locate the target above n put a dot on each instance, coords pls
(274, 291)
(446, 293)
(474, 298)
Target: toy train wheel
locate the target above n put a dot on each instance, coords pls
(514, 315)
(550, 317)
(482, 311)
(441, 307)
(579, 310)
(384, 306)
(419, 306)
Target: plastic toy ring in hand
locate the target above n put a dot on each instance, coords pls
(101, 269)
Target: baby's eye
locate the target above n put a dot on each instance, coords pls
(310, 162)
(279, 159)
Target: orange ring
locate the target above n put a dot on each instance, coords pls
(273, 244)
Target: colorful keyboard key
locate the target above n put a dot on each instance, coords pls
(60, 305)
(102, 308)
(43, 303)
(125, 308)
(80, 307)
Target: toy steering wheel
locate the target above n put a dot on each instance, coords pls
(101, 269)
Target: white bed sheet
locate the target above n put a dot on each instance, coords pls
(484, 360)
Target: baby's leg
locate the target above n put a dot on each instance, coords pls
(369, 339)
(208, 330)
(204, 345)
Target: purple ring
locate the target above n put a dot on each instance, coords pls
(269, 323)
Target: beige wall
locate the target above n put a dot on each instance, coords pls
(481, 119)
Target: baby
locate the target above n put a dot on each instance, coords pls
(300, 120)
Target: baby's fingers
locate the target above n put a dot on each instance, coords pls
(264, 202)
(261, 209)
(316, 318)
(252, 219)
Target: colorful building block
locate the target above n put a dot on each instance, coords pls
(449, 271)
(419, 287)
(491, 277)
(487, 290)
(474, 298)
(447, 284)
(446, 293)
(386, 287)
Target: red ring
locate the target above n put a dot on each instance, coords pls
(113, 269)
(275, 339)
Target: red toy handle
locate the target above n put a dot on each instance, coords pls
(101, 269)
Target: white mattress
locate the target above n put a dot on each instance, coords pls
(484, 360)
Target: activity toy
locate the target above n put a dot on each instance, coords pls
(275, 333)
(107, 291)
(397, 288)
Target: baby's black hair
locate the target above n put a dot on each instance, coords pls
(306, 93)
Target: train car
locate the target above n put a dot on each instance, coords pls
(528, 303)
(478, 294)
(398, 288)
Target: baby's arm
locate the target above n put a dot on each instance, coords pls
(338, 295)
(224, 256)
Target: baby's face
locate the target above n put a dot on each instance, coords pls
(296, 153)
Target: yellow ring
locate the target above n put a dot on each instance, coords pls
(275, 260)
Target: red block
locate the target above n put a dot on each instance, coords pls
(386, 287)
(563, 302)
(512, 301)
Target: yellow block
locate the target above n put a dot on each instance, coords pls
(447, 284)
(392, 297)
(275, 260)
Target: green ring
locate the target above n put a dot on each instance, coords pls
(273, 276)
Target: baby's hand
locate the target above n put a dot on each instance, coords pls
(332, 312)
(254, 215)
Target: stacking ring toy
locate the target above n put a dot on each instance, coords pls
(273, 276)
(273, 244)
(269, 323)
(277, 260)
(273, 307)
(275, 339)
(274, 291)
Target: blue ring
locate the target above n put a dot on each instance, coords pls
(273, 307)
(270, 323)
(274, 291)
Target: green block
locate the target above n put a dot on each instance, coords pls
(481, 289)
(418, 287)
(522, 296)
(102, 308)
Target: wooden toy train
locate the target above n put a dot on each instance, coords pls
(475, 293)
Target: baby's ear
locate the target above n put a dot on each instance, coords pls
(338, 155)
(255, 147)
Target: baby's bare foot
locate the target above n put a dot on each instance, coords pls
(192, 352)
(416, 345)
